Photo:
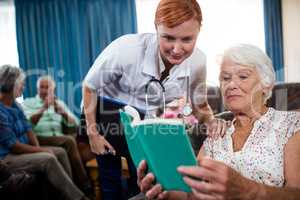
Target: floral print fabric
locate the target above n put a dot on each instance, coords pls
(262, 157)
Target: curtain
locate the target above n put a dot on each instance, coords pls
(62, 38)
(273, 35)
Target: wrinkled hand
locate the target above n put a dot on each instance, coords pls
(48, 101)
(58, 108)
(214, 180)
(147, 185)
(217, 128)
(99, 145)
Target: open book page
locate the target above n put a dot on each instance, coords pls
(131, 111)
(136, 120)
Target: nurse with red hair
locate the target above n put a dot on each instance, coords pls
(125, 66)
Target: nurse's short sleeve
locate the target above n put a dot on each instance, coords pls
(106, 69)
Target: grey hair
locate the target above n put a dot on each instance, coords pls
(9, 76)
(252, 56)
(45, 77)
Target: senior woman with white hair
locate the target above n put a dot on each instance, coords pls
(259, 156)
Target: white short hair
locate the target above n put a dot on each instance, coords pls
(9, 77)
(252, 56)
(45, 77)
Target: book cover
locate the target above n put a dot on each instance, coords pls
(164, 144)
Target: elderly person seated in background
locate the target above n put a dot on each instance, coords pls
(259, 156)
(19, 147)
(47, 114)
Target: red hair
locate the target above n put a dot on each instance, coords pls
(172, 13)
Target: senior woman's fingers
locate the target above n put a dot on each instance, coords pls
(213, 165)
(147, 182)
(154, 192)
(141, 171)
(198, 173)
(163, 195)
(204, 187)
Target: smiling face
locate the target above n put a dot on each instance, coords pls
(177, 43)
(241, 87)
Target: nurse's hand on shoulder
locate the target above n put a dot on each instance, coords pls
(217, 127)
(147, 184)
(99, 145)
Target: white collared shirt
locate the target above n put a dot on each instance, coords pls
(123, 69)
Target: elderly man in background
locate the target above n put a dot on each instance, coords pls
(19, 147)
(47, 114)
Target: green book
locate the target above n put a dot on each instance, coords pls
(164, 144)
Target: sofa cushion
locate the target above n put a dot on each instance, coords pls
(285, 96)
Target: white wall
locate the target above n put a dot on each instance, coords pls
(291, 39)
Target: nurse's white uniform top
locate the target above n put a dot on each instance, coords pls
(123, 69)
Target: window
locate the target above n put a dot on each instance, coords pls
(224, 23)
(8, 39)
